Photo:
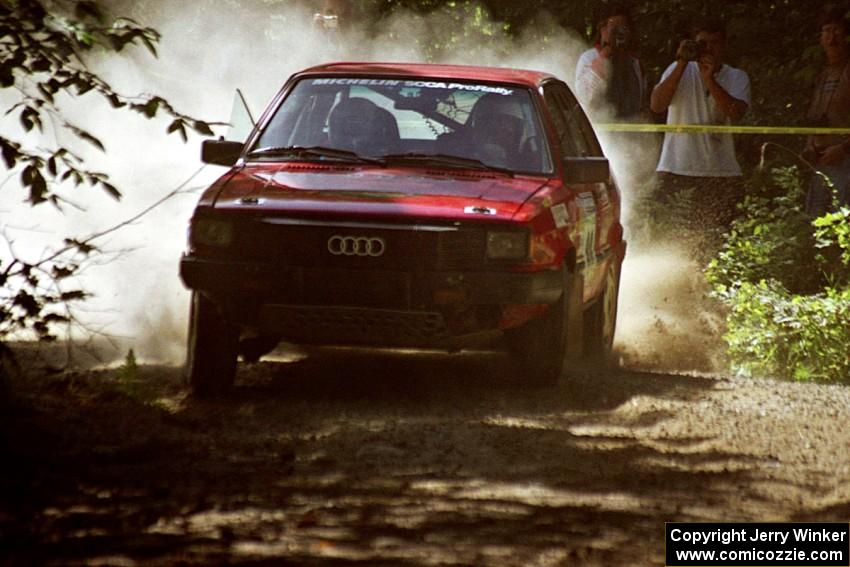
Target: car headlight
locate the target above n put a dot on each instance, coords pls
(507, 245)
(211, 232)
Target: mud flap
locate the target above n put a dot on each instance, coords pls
(575, 321)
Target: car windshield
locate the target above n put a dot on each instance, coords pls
(485, 125)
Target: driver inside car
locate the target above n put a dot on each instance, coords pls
(495, 134)
(359, 125)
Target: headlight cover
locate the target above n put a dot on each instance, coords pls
(507, 245)
(211, 232)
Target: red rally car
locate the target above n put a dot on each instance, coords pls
(407, 205)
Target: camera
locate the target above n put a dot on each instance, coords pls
(620, 37)
(692, 50)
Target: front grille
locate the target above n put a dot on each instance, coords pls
(461, 250)
(349, 325)
(360, 288)
(296, 243)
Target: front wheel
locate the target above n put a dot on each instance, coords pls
(543, 346)
(211, 350)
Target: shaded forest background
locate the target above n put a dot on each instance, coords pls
(775, 42)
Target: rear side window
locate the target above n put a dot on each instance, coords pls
(575, 134)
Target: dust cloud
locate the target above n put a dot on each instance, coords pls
(210, 48)
(666, 322)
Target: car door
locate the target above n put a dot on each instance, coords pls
(576, 139)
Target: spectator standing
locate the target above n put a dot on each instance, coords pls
(830, 107)
(699, 88)
(610, 73)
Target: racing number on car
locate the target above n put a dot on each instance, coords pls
(587, 228)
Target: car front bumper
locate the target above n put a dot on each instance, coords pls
(319, 305)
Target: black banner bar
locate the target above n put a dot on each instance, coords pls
(757, 544)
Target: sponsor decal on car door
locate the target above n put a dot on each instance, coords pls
(587, 239)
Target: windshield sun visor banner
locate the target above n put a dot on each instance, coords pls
(367, 82)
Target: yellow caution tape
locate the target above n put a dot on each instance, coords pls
(718, 129)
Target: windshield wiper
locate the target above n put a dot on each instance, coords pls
(447, 160)
(313, 152)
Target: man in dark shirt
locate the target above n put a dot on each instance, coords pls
(830, 107)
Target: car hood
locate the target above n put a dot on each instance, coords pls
(345, 190)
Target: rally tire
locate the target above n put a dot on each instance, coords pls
(211, 350)
(541, 347)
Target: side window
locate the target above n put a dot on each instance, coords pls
(577, 123)
(559, 121)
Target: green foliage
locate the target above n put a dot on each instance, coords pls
(128, 371)
(772, 238)
(832, 232)
(127, 376)
(43, 58)
(36, 296)
(773, 332)
(784, 280)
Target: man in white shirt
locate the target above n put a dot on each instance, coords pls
(698, 88)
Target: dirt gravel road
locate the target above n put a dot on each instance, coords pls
(358, 458)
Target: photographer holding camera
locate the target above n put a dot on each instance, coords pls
(610, 73)
(699, 88)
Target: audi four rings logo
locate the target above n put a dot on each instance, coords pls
(356, 246)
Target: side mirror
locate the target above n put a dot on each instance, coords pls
(586, 170)
(221, 152)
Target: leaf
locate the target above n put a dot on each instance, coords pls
(27, 302)
(61, 272)
(27, 118)
(150, 108)
(40, 65)
(115, 101)
(112, 190)
(150, 45)
(26, 175)
(38, 188)
(83, 247)
(83, 86)
(85, 38)
(178, 126)
(7, 76)
(10, 153)
(54, 318)
(73, 295)
(45, 91)
(202, 128)
(82, 134)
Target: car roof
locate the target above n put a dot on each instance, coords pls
(421, 70)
